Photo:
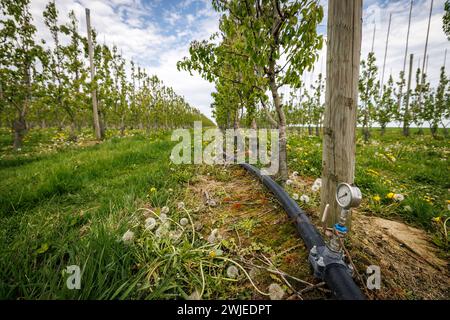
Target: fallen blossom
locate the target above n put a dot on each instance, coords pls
(150, 223)
(128, 236)
(165, 210)
(184, 222)
(304, 198)
(232, 272)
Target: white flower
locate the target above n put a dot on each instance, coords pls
(194, 296)
(184, 221)
(276, 292)
(232, 272)
(163, 217)
(295, 173)
(399, 197)
(408, 209)
(295, 196)
(150, 223)
(318, 182)
(315, 188)
(304, 198)
(180, 205)
(165, 210)
(288, 182)
(128, 236)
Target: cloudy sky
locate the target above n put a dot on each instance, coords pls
(156, 34)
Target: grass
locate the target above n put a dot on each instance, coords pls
(417, 167)
(69, 203)
(72, 207)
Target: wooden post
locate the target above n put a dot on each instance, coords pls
(385, 54)
(373, 37)
(407, 36)
(445, 58)
(98, 134)
(422, 81)
(406, 55)
(339, 128)
(406, 115)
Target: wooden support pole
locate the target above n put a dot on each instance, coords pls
(373, 37)
(422, 81)
(406, 55)
(406, 114)
(407, 36)
(445, 58)
(339, 127)
(98, 134)
(385, 53)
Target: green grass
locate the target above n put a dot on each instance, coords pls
(417, 167)
(72, 207)
(69, 203)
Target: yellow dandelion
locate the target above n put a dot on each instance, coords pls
(376, 198)
(212, 254)
(152, 189)
(437, 219)
(390, 195)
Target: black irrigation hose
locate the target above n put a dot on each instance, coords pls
(336, 275)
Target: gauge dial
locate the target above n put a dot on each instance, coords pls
(348, 196)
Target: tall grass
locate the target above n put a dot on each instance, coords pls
(72, 208)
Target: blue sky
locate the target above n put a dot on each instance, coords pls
(156, 34)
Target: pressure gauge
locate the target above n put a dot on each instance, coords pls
(348, 196)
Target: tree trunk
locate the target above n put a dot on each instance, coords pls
(283, 169)
(20, 128)
(236, 120)
(122, 126)
(20, 124)
(339, 126)
(254, 125)
(366, 133)
(434, 130)
(383, 129)
(73, 130)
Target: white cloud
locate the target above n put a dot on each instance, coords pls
(130, 25)
(379, 13)
(133, 26)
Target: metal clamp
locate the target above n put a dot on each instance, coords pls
(323, 256)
